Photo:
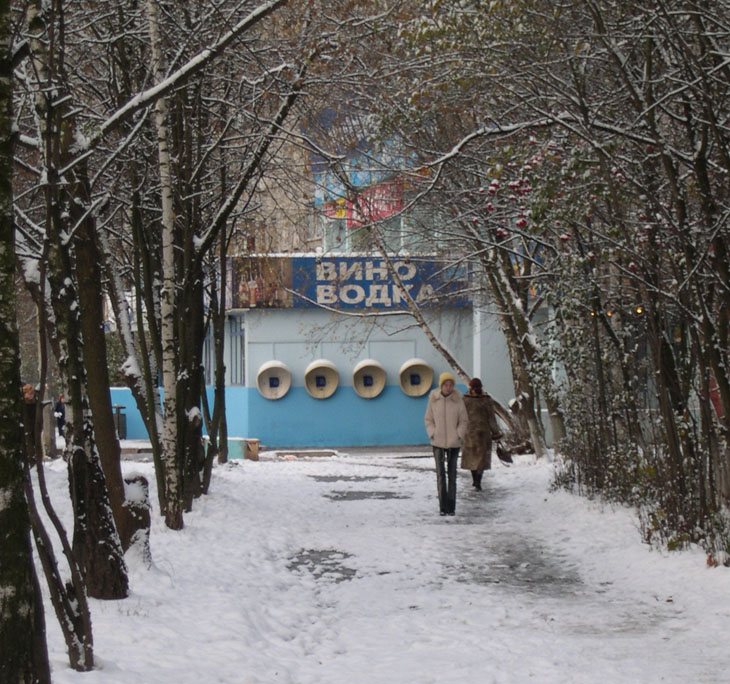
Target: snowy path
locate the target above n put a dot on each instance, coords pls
(340, 570)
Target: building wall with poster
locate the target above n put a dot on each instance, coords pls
(298, 311)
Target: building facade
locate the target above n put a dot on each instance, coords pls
(321, 351)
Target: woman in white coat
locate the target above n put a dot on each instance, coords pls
(446, 421)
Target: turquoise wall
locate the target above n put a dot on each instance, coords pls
(298, 420)
(344, 419)
(122, 396)
(297, 337)
(237, 411)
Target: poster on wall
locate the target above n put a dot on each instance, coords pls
(261, 282)
(345, 282)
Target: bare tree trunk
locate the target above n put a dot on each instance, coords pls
(515, 339)
(22, 621)
(219, 322)
(135, 513)
(88, 263)
(173, 472)
(69, 598)
(216, 424)
(96, 543)
(142, 348)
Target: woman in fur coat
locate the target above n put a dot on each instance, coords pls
(476, 453)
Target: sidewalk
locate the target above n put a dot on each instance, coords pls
(325, 570)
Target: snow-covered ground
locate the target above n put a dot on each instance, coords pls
(335, 570)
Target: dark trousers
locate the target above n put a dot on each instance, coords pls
(446, 460)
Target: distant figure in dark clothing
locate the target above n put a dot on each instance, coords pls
(60, 413)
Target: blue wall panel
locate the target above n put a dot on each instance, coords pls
(122, 396)
(298, 420)
(236, 405)
(236, 410)
(345, 419)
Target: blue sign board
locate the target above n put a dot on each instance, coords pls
(346, 282)
(366, 283)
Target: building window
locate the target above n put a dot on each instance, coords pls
(338, 237)
(236, 366)
(334, 234)
(209, 360)
(233, 355)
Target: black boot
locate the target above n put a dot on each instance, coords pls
(477, 477)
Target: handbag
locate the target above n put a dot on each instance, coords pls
(504, 455)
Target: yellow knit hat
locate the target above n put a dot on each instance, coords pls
(444, 377)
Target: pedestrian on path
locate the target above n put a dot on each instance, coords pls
(60, 413)
(482, 428)
(446, 422)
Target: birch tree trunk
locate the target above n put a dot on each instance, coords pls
(524, 387)
(173, 476)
